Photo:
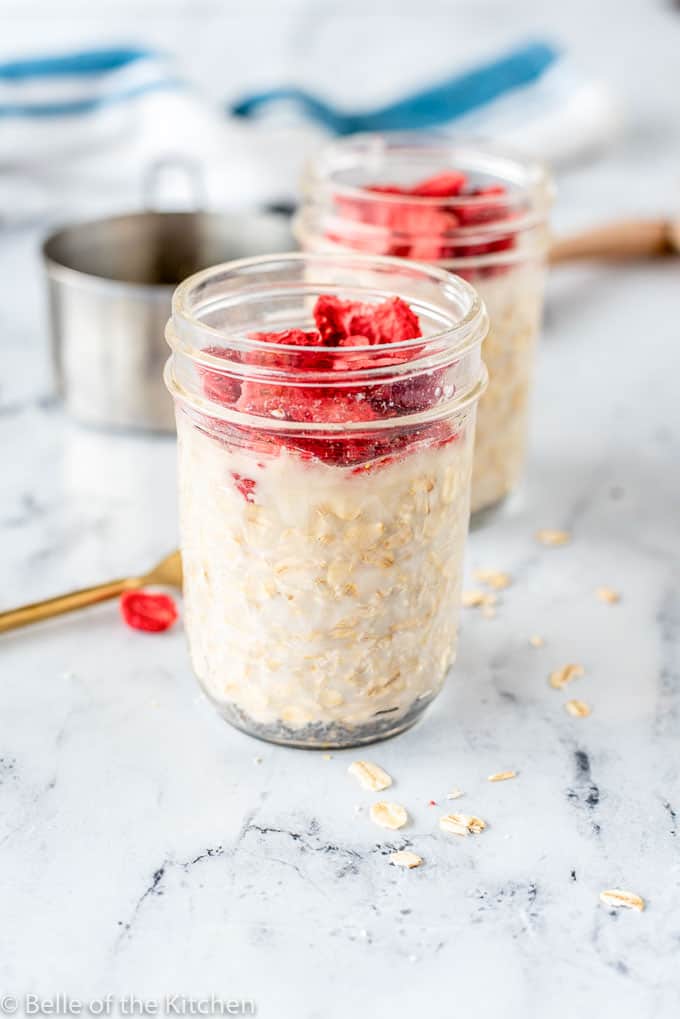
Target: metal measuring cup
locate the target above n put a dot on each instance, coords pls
(110, 285)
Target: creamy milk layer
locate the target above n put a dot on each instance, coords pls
(514, 300)
(324, 594)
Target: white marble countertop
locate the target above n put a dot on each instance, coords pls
(143, 848)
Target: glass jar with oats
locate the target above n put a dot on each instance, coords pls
(326, 428)
(472, 210)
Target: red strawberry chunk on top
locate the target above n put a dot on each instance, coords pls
(308, 361)
(395, 322)
(425, 231)
(341, 325)
(336, 319)
(291, 337)
(392, 321)
(442, 185)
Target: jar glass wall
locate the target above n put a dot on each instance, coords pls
(324, 492)
(472, 210)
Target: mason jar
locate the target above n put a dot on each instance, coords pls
(477, 212)
(324, 489)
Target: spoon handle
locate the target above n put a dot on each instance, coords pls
(642, 238)
(40, 610)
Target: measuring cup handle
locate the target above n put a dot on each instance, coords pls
(152, 182)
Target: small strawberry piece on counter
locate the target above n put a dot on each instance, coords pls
(148, 610)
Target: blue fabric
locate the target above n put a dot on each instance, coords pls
(428, 108)
(85, 67)
(73, 107)
(86, 62)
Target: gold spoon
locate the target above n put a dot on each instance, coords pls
(168, 572)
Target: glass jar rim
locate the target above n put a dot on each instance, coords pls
(466, 329)
(327, 428)
(530, 176)
(453, 345)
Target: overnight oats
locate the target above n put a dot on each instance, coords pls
(475, 212)
(326, 431)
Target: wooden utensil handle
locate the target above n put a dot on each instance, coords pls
(643, 238)
(38, 611)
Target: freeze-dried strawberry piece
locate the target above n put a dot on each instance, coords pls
(448, 184)
(395, 322)
(424, 249)
(218, 386)
(349, 451)
(266, 400)
(336, 319)
(261, 398)
(391, 321)
(246, 486)
(291, 337)
(370, 245)
(146, 610)
(356, 340)
(309, 361)
(379, 356)
(422, 230)
(350, 336)
(407, 396)
(304, 403)
(413, 222)
(490, 209)
(387, 189)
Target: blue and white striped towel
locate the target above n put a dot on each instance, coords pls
(77, 131)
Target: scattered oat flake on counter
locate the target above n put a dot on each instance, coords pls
(493, 578)
(328, 757)
(370, 776)
(389, 815)
(546, 536)
(461, 824)
(405, 858)
(536, 641)
(455, 793)
(502, 776)
(577, 709)
(475, 599)
(618, 897)
(560, 677)
(147, 610)
(608, 595)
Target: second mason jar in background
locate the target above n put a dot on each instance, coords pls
(475, 211)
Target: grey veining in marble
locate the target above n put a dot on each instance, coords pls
(145, 849)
